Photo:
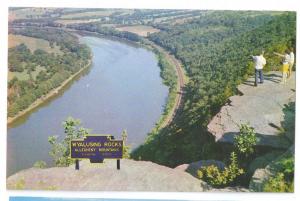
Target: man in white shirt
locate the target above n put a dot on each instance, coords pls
(259, 62)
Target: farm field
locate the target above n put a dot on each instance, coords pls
(32, 43)
(66, 22)
(88, 14)
(141, 30)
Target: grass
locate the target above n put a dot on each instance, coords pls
(32, 43)
(141, 30)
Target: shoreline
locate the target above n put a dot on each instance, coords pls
(165, 118)
(50, 94)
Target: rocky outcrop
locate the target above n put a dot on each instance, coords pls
(261, 107)
(133, 176)
(262, 175)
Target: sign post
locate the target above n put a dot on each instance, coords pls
(96, 148)
(118, 164)
(76, 164)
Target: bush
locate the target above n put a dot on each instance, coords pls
(278, 184)
(40, 164)
(126, 148)
(216, 177)
(283, 181)
(246, 140)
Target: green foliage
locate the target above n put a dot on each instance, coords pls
(126, 148)
(20, 184)
(214, 50)
(245, 140)
(288, 166)
(219, 178)
(52, 71)
(96, 27)
(60, 151)
(167, 72)
(283, 179)
(40, 164)
(278, 184)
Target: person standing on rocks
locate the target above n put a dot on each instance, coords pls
(285, 65)
(291, 61)
(259, 62)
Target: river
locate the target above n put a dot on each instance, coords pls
(122, 90)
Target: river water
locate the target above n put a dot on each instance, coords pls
(121, 90)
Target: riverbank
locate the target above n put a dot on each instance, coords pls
(173, 103)
(46, 97)
(175, 97)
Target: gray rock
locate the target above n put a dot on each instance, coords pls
(261, 107)
(263, 161)
(133, 176)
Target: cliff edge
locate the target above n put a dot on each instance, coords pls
(263, 107)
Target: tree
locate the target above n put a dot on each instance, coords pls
(126, 148)
(60, 151)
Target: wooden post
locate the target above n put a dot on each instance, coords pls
(118, 164)
(76, 164)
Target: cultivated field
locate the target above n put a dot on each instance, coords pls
(88, 14)
(26, 13)
(66, 22)
(139, 29)
(32, 43)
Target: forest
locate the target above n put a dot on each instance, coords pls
(215, 51)
(55, 68)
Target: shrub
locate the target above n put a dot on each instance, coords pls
(40, 164)
(216, 177)
(246, 140)
(283, 181)
(20, 184)
(126, 148)
(278, 184)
